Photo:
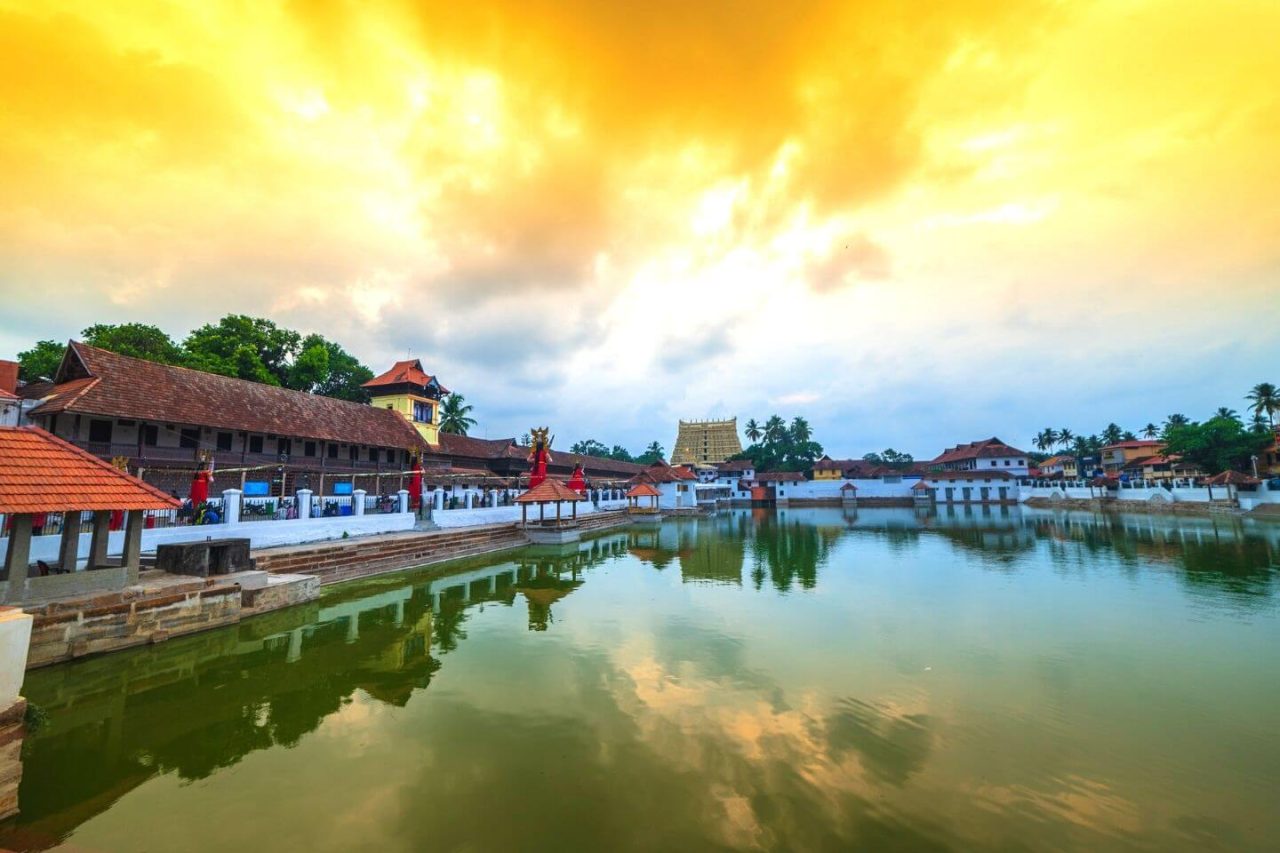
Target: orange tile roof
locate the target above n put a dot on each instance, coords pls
(988, 448)
(5, 395)
(643, 490)
(549, 491)
(405, 372)
(40, 472)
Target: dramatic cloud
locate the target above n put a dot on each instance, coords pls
(913, 227)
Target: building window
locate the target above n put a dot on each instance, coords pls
(150, 435)
(353, 453)
(309, 448)
(255, 444)
(373, 454)
(333, 450)
(224, 441)
(189, 437)
(284, 446)
(100, 431)
(422, 412)
(1006, 463)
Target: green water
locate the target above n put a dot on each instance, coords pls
(814, 680)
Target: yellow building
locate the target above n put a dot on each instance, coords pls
(1060, 466)
(408, 389)
(706, 442)
(1117, 456)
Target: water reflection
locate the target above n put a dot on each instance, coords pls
(811, 679)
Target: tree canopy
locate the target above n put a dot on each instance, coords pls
(1218, 444)
(781, 447)
(237, 345)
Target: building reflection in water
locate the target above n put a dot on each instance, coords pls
(197, 704)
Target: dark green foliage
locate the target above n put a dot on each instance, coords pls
(783, 448)
(1216, 445)
(41, 361)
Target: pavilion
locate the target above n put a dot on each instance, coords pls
(643, 490)
(41, 474)
(545, 530)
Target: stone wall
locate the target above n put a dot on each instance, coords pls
(12, 731)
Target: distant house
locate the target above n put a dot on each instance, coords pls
(973, 486)
(735, 470)
(674, 484)
(1060, 466)
(989, 454)
(1116, 456)
(1162, 468)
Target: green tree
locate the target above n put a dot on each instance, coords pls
(455, 415)
(1065, 437)
(589, 447)
(1228, 413)
(1174, 421)
(753, 431)
(1081, 446)
(774, 429)
(41, 361)
(1112, 434)
(1150, 431)
(244, 347)
(343, 376)
(652, 453)
(137, 340)
(801, 432)
(621, 454)
(1216, 445)
(1266, 401)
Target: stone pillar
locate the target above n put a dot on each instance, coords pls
(353, 627)
(435, 602)
(357, 502)
(17, 557)
(294, 653)
(69, 549)
(131, 554)
(98, 544)
(493, 584)
(437, 499)
(15, 639)
(304, 503)
(231, 506)
(403, 494)
(399, 617)
(467, 499)
(493, 498)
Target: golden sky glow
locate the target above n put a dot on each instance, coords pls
(877, 217)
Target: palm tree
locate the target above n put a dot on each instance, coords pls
(1227, 413)
(1080, 447)
(1266, 401)
(1112, 434)
(455, 415)
(1065, 437)
(800, 430)
(1176, 420)
(1150, 431)
(774, 429)
(1046, 439)
(753, 431)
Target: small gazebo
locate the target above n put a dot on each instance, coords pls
(922, 493)
(1232, 482)
(550, 530)
(643, 490)
(40, 474)
(849, 495)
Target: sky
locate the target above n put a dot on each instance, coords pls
(913, 224)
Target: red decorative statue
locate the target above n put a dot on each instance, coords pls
(578, 482)
(539, 454)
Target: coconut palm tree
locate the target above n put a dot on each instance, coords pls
(800, 430)
(1176, 420)
(1065, 437)
(1150, 431)
(753, 431)
(1266, 401)
(1227, 413)
(1081, 446)
(1112, 434)
(1046, 439)
(455, 415)
(774, 429)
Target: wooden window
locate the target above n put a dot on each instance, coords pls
(309, 448)
(100, 431)
(255, 444)
(189, 437)
(150, 435)
(224, 441)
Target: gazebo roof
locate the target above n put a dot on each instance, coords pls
(40, 472)
(921, 486)
(643, 490)
(1233, 478)
(549, 491)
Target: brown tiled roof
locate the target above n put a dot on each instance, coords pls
(42, 473)
(780, 477)
(643, 490)
(506, 448)
(991, 447)
(404, 372)
(549, 491)
(661, 472)
(1233, 478)
(35, 390)
(736, 465)
(123, 387)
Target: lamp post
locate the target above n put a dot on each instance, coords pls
(1254, 460)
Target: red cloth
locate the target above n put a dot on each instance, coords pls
(578, 482)
(200, 487)
(415, 486)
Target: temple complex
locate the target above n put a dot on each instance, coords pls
(706, 442)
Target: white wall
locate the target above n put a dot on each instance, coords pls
(454, 518)
(261, 534)
(15, 637)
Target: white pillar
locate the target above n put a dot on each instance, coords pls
(295, 646)
(304, 503)
(493, 498)
(231, 506)
(467, 498)
(357, 502)
(353, 627)
(403, 494)
(437, 498)
(15, 638)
